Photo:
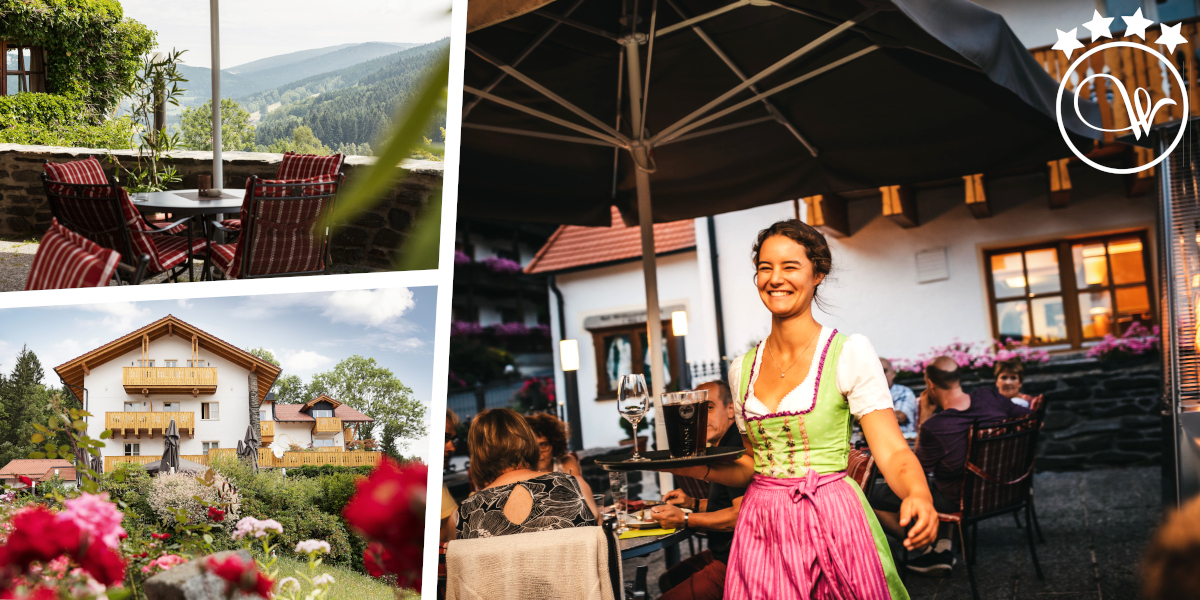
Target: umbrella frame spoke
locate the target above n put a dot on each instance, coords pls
(664, 137)
(700, 18)
(723, 128)
(576, 24)
(783, 62)
(547, 117)
(540, 134)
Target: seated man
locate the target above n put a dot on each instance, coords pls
(904, 402)
(942, 450)
(703, 575)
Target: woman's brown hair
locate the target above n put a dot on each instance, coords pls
(500, 440)
(549, 427)
(1011, 366)
(815, 246)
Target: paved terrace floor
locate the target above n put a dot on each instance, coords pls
(16, 258)
(1096, 525)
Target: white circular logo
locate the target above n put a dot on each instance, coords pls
(1141, 113)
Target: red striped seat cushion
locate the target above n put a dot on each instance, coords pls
(303, 166)
(66, 259)
(97, 221)
(283, 232)
(232, 223)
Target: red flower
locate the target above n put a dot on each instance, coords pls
(373, 559)
(38, 535)
(25, 480)
(104, 565)
(141, 555)
(216, 514)
(406, 565)
(389, 508)
(160, 536)
(38, 593)
(242, 575)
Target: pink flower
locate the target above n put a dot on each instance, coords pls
(163, 563)
(94, 514)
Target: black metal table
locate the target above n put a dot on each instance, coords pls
(641, 546)
(189, 203)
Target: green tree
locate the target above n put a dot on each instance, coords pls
(236, 131)
(289, 389)
(376, 392)
(303, 141)
(24, 400)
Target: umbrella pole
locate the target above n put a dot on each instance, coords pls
(218, 177)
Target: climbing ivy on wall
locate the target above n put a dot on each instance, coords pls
(92, 50)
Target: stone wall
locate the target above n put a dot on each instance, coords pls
(1098, 414)
(370, 241)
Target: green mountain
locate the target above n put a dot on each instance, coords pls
(353, 105)
(274, 71)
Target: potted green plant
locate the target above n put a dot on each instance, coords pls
(156, 85)
(627, 427)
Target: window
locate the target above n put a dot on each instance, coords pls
(195, 363)
(145, 363)
(210, 411)
(24, 69)
(206, 446)
(622, 350)
(170, 407)
(324, 443)
(264, 414)
(170, 363)
(133, 407)
(322, 413)
(133, 449)
(1072, 291)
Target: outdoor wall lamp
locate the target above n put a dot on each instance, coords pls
(679, 324)
(568, 355)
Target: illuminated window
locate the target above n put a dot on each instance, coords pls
(623, 350)
(1070, 291)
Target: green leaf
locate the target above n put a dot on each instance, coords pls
(36, 455)
(41, 428)
(37, 438)
(64, 449)
(53, 422)
(79, 425)
(208, 539)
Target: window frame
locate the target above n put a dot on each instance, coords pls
(213, 445)
(1068, 290)
(634, 329)
(133, 449)
(24, 73)
(206, 412)
(313, 412)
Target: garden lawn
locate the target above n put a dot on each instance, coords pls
(348, 584)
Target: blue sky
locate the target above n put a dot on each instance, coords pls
(262, 28)
(307, 332)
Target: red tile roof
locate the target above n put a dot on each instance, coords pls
(574, 246)
(36, 467)
(291, 413)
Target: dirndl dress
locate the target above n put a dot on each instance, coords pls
(805, 530)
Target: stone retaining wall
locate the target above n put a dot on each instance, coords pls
(1098, 414)
(369, 241)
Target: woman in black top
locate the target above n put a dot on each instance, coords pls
(513, 498)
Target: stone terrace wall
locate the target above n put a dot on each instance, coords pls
(370, 241)
(1098, 414)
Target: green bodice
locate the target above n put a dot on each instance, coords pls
(789, 444)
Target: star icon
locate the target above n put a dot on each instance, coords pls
(1137, 24)
(1099, 26)
(1067, 42)
(1170, 37)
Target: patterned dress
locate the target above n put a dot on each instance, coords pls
(557, 504)
(805, 530)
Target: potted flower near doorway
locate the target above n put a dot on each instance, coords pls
(643, 425)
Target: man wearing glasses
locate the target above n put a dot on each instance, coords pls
(703, 576)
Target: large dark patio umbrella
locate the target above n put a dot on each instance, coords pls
(709, 106)
(248, 448)
(170, 457)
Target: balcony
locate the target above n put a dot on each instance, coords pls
(267, 431)
(169, 380)
(327, 426)
(327, 456)
(111, 462)
(124, 423)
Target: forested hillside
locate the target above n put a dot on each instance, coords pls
(349, 106)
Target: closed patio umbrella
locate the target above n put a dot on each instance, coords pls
(248, 448)
(719, 105)
(98, 465)
(170, 457)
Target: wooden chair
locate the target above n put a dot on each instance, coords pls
(85, 201)
(282, 229)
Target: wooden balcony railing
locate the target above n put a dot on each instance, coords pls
(324, 456)
(125, 423)
(327, 425)
(267, 429)
(169, 380)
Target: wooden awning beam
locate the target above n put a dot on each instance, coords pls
(900, 205)
(976, 196)
(1060, 183)
(828, 214)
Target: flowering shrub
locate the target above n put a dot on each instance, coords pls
(163, 563)
(180, 491)
(502, 265)
(975, 355)
(536, 394)
(389, 509)
(461, 258)
(463, 328)
(41, 543)
(239, 575)
(1136, 340)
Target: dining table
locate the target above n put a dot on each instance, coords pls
(190, 203)
(669, 542)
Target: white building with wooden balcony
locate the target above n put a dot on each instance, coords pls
(169, 370)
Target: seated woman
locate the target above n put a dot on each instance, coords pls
(1010, 374)
(552, 445)
(512, 497)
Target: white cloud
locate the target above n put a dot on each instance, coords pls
(303, 362)
(183, 303)
(119, 317)
(368, 307)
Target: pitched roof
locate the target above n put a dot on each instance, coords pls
(34, 466)
(322, 397)
(73, 371)
(574, 246)
(292, 413)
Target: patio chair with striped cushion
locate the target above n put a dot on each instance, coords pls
(87, 202)
(66, 259)
(298, 166)
(283, 232)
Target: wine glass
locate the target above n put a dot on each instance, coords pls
(632, 402)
